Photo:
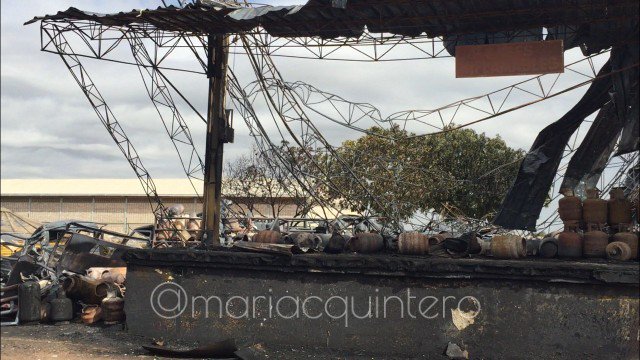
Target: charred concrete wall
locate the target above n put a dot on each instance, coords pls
(507, 317)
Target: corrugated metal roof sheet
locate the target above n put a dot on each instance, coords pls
(329, 19)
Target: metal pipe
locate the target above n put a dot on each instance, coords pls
(8, 299)
(9, 288)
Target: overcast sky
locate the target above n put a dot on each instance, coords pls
(50, 131)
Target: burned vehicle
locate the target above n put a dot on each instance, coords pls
(40, 243)
(62, 246)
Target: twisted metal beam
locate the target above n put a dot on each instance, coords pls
(176, 128)
(106, 116)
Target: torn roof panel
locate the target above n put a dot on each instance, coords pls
(330, 19)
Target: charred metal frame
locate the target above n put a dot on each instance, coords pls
(291, 114)
(8, 295)
(289, 103)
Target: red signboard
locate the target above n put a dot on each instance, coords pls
(521, 58)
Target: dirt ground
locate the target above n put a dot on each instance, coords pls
(69, 342)
(76, 341)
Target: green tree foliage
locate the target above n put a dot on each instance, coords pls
(461, 168)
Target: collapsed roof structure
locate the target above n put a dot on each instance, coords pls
(323, 28)
(12, 223)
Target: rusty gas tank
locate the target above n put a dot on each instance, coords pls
(304, 240)
(570, 206)
(436, 239)
(594, 209)
(413, 243)
(163, 231)
(108, 274)
(336, 243)
(630, 239)
(508, 247)
(569, 244)
(366, 243)
(548, 247)
(85, 289)
(61, 308)
(112, 309)
(619, 207)
(595, 244)
(193, 227)
(180, 233)
(618, 251)
(267, 237)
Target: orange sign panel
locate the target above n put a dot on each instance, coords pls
(521, 58)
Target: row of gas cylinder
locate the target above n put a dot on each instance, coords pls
(410, 243)
(606, 225)
(594, 213)
(596, 244)
(567, 244)
(179, 229)
(330, 243)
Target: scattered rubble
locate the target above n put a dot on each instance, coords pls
(454, 352)
(65, 270)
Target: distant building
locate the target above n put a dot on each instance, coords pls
(121, 204)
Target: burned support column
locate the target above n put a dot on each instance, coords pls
(216, 136)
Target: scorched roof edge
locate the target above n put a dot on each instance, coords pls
(331, 18)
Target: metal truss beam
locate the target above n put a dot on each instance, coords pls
(292, 115)
(271, 154)
(107, 118)
(361, 116)
(101, 42)
(172, 121)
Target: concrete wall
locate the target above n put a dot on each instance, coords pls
(521, 316)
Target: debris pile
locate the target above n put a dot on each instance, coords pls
(67, 270)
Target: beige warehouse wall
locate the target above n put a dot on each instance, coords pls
(119, 213)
